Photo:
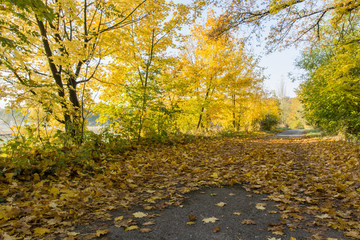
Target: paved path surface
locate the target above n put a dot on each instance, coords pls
(291, 133)
(241, 218)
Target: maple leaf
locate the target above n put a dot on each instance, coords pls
(352, 234)
(210, 220)
(192, 218)
(120, 218)
(149, 223)
(261, 206)
(131, 228)
(103, 232)
(145, 230)
(248, 222)
(41, 231)
(216, 229)
(140, 214)
(220, 204)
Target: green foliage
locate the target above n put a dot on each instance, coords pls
(330, 94)
(268, 122)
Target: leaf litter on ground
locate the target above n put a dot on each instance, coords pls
(317, 177)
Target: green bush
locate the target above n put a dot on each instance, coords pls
(268, 122)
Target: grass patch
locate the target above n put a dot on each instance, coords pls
(314, 133)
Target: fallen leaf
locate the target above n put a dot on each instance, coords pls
(261, 206)
(192, 218)
(220, 204)
(210, 220)
(352, 234)
(41, 231)
(131, 228)
(190, 223)
(100, 233)
(237, 213)
(323, 216)
(73, 234)
(145, 230)
(217, 229)
(278, 233)
(140, 214)
(120, 218)
(232, 194)
(214, 175)
(149, 223)
(248, 222)
(123, 223)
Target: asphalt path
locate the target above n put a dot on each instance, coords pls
(241, 215)
(291, 133)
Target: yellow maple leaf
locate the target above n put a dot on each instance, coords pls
(210, 220)
(100, 233)
(220, 204)
(131, 228)
(41, 231)
(119, 218)
(139, 214)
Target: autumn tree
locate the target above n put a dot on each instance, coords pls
(222, 82)
(59, 55)
(132, 98)
(330, 93)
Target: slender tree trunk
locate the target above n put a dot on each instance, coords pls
(145, 84)
(202, 110)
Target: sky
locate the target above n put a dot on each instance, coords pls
(277, 66)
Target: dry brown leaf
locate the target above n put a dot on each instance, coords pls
(145, 230)
(149, 223)
(248, 222)
(352, 234)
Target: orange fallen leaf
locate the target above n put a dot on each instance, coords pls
(217, 229)
(192, 218)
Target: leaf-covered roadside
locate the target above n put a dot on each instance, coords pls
(314, 176)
